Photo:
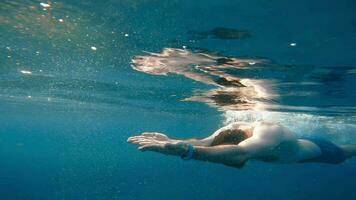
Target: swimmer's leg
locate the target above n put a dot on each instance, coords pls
(349, 150)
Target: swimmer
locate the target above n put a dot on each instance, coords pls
(239, 142)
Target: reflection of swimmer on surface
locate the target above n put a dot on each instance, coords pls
(237, 143)
(233, 93)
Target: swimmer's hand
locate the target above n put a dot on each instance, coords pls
(149, 136)
(158, 142)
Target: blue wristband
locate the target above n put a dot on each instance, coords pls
(189, 153)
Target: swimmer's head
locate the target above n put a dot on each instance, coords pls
(231, 137)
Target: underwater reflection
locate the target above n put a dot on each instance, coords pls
(232, 92)
(255, 84)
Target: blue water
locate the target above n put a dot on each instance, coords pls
(67, 108)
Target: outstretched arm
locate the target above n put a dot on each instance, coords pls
(162, 137)
(231, 155)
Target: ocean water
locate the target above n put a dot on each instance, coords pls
(70, 95)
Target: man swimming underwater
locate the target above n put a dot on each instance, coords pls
(237, 143)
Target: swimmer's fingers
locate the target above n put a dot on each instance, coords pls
(138, 140)
(150, 134)
(139, 137)
(132, 139)
(147, 136)
(156, 135)
(145, 140)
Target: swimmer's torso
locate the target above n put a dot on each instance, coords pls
(287, 148)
